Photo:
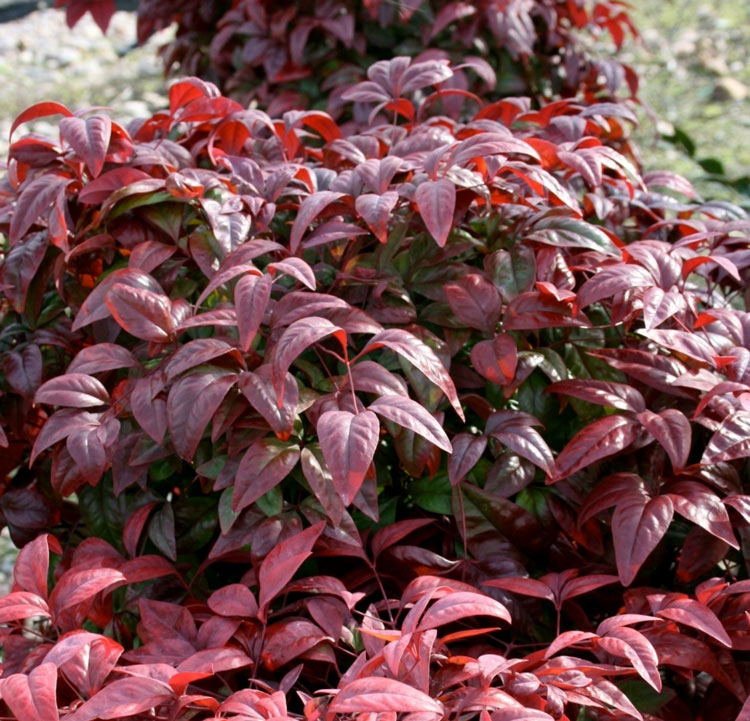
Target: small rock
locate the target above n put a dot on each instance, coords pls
(714, 64)
(728, 89)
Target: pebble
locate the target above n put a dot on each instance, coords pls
(729, 89)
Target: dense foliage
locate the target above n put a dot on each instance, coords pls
(288, 54)
(443, 412)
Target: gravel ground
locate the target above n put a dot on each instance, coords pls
(41, 59)
(694, 61)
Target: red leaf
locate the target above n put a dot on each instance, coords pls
(514, 430)
(612, 280)
(496, 360)
(289, 639)
(36, 198)
(348, 443)
(658, 306)
(23, 370)
(148, 410)
(475, 301)
(94, 307)
(60, 425)
(32, 564)
(142, 313)
(76, 587)
(123, 698)
(32, 697)
(20, 266)
(376, 694)
(198, 352)
(251, 296)
(214, 660)
(258, 389)
(233, 600)
(603, 393)
(21, 605)
(600, 439)
(376, 211)
(467, 450)
(436, 200)
(420, 355)
(295, 268)
(265, 464)
(638, 524)
(89, 139)
(280, 565)
(309, 209)
(299, 336)
(462, 604)
(75, 390)
(102, 357)
(409, 414)
(389, 535)
(704, 508)
(691, 613)
(187, 418)
(97, 191)
(39, 110)
(634, 646)
(523, 586)
(731, 439)
(672, 431)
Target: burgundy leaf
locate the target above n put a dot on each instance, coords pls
(265, 464)
(604, 393)
(390, 535)
(122, 698)
(32, 564)
(233, 600)
(75, 390)
(89, 139)
(376, 211)
(602, 438)
(186, 415)
(296, 268)
(94, 307)
(659, 306)
(23, 370)
(459, 605)
(421, 356)
(258, 389)
(514, 430)
(694, 614)
(36, 198)
(280, 565)
(523, 586)
(310, 208)
(348, 443)
(731, 439)
(197, 352)
(672, 431)
(20, 266)
(467, 450)
(81, 586)
(638, 524)
(496, 360)
(475, 301)
(409, 414)
(299, 336)
(377, 694)
(102, 357)
(142, 313)
(251, 296)
(32, 697)
(97, 191)
(436, 200)
(20, 605)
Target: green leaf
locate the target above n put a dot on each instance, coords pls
(432, 494)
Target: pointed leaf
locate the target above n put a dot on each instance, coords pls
(377, 695)
(265, 464)
(348, 443)
(672, 431)
(436, 200)
(89, 138)
(75, 390)
(280, 565)
(410, 414)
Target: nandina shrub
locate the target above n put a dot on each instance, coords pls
(441, 415)
(290, 54)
